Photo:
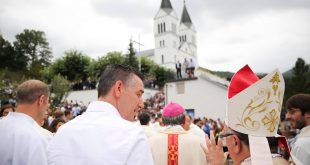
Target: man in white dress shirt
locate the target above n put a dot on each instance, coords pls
(105, 133)
(20, 139)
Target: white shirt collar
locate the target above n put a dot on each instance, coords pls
(22, 116)
(101, 106)
(305, 132)
(174, 128)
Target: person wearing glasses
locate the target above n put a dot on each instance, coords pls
(253, 113)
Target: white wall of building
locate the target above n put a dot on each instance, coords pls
(207, 98)
(87, 96)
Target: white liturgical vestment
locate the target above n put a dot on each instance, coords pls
(21, 141)
(301, 148)
(97, 137)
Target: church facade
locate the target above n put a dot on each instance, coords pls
(203, 95)
(175, 39)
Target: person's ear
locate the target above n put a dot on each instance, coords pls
(41, 100)
(236, 144)
(118, 87)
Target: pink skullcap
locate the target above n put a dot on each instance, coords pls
(173, 110)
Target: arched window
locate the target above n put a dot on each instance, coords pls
(164, 27)
(162, 59)
(158, 28)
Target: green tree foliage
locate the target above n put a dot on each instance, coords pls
(131, 59)
(147, 67)
(6, 54)
(162, 75)
(73, 65)
(32, 51)
(300, 80)
(60, 89)
(96, 67)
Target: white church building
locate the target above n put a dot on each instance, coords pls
(175, 40)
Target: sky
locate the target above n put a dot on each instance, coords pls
(266, 34)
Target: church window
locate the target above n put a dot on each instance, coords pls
(158, 28)
(180, 39)
(159, 43)
(163, 42)
(185, 37)
(164, 27)
(162, 59)
(161, 27)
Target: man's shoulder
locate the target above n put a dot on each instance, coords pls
(302, 141)
(130, 126)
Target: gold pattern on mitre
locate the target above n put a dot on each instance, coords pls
(261, 114)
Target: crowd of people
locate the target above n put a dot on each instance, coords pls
(120, 128)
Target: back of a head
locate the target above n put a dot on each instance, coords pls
(58, 114)
(67, 112)
(173, 114)
(301, 101)
(29, 91)
(144, 118)
(113, 73)
(5, 106)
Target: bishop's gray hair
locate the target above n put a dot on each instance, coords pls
(177, 120)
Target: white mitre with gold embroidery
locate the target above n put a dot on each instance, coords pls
(254, 107)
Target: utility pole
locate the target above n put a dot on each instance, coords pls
(139, 51)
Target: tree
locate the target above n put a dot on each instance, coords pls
(34, 46)
(6, 54)
(300, 80)
(32, 52)
(131, 58)
(162, 75)
(147, 66)
(60, 89)
(96, 67)
(73, 65)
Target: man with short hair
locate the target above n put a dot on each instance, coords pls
(105, 133)
(174, 145)
(21, 141)
(298, 113)
(145, 118)
(178, 67)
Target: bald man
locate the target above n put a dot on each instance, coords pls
(21, 141)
